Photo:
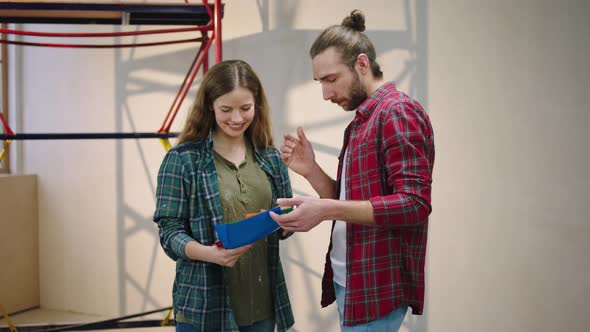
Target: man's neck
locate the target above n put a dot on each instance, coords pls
(372, 85)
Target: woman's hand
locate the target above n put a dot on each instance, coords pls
(227, 257)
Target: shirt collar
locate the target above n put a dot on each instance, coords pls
(259, 153)
(366, 107)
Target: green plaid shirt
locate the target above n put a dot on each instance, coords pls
(187, 207)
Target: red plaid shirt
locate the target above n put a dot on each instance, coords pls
(390, 159)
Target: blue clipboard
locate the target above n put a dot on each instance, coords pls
(248, 230)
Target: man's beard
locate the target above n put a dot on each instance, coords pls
(357, 94)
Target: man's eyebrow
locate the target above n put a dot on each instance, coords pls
(324, 77)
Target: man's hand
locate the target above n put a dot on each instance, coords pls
(298, 153)
(309, 212)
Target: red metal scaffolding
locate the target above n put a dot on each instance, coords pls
(205, 19)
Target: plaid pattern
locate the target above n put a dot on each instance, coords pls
(389, 163)
(187, 207)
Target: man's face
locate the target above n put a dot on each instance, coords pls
(340, 85)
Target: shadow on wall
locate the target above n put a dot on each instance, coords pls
(260, 50)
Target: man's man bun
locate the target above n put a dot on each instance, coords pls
(355, 21)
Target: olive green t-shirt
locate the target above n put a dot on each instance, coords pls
(246, 189)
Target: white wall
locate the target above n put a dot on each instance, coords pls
(505, 85)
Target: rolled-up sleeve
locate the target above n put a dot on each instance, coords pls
(408, 149)
(172, 211)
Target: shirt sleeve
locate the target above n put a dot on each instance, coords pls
(408, 151)
(285, 185)
(285, 181)
(172, 213)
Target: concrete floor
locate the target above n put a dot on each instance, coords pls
(47, 317)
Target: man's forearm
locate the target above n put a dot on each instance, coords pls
(323, 184)
(356, 212)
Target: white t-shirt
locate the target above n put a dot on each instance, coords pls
(338, 253)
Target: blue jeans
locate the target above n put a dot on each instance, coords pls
(389, 323)
(267, 325)
(185, 327)
(259, 326)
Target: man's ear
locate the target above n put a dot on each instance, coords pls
(363, 64)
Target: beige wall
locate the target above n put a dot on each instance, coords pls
(505, 83)
(508, 85)
(19, 245)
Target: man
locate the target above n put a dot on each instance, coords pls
(380, 202)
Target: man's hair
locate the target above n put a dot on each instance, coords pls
(349, 40)
(223, 78)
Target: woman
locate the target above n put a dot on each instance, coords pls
(224, 167)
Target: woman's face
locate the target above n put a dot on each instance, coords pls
(234, 112)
